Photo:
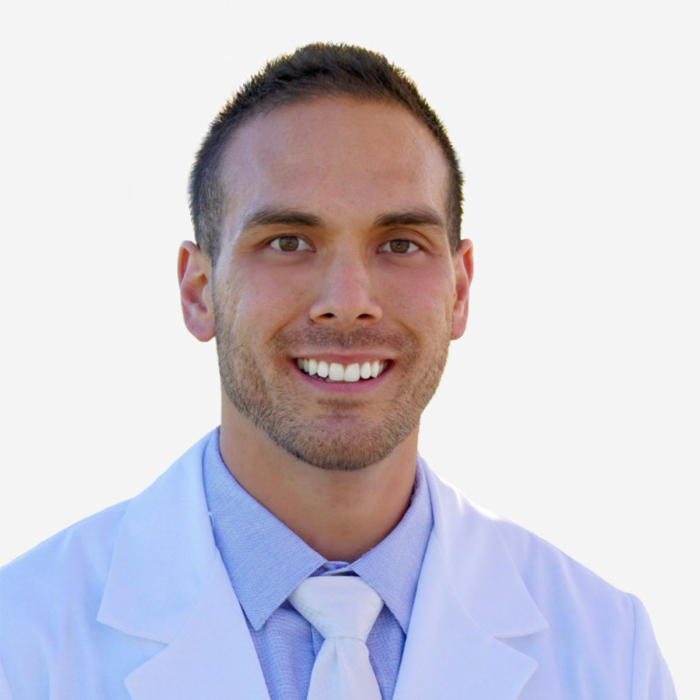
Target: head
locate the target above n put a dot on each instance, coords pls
(314, 71)
(333, 243)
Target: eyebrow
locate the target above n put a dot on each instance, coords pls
(422, 216)
(268, 216)
(271, 215)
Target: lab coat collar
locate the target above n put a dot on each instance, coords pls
(167, 583)
(470, 598)
(477, 561)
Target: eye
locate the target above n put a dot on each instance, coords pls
(289, 244)
(399, 246)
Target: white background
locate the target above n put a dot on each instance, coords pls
(571, 405)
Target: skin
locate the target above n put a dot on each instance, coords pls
(334, 462)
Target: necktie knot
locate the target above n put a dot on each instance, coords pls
(343, 609)
(338, 606)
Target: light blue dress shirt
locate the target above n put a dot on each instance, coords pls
(266, 561)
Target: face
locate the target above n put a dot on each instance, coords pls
(335, 293)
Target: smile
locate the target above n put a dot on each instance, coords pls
(335, 372)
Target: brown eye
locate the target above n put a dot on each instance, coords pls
(400, 246)
(289, 244)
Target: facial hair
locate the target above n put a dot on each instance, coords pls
(340, 440)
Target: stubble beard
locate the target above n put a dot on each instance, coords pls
(348, 444)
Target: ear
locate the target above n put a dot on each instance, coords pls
(195, 277)
(464, 272)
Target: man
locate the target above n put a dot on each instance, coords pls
(304, 549)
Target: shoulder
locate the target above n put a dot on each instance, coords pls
(52, 597)
(491, 552)
(584, 611)
(569, 594)
(87, 545)
(77, 543)
(555, 580)
(75, 560)
(51, 594)
(593, 630)
(540, 564)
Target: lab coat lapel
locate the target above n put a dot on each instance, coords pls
(469, 595)
(212, 657)
(167, 583)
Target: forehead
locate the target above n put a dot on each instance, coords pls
(338, 157)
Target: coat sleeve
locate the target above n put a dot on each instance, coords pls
(651, 679)
(4, 687)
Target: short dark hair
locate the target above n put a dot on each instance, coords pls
(315, 70)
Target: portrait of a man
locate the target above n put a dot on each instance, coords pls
(304, 548)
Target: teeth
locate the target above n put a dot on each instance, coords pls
(336, 372)
(352, 373)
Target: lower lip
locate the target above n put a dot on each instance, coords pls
(345, 387)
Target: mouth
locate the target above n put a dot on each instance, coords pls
(340, 373)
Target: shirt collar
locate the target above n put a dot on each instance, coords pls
(266, 561)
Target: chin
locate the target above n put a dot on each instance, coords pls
(346, 450)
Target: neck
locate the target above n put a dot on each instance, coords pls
(341, 515)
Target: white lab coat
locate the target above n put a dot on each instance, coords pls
(135, 602)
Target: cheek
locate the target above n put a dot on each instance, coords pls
(423, 299)
(267, 298)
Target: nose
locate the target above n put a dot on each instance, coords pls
(346, 296)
